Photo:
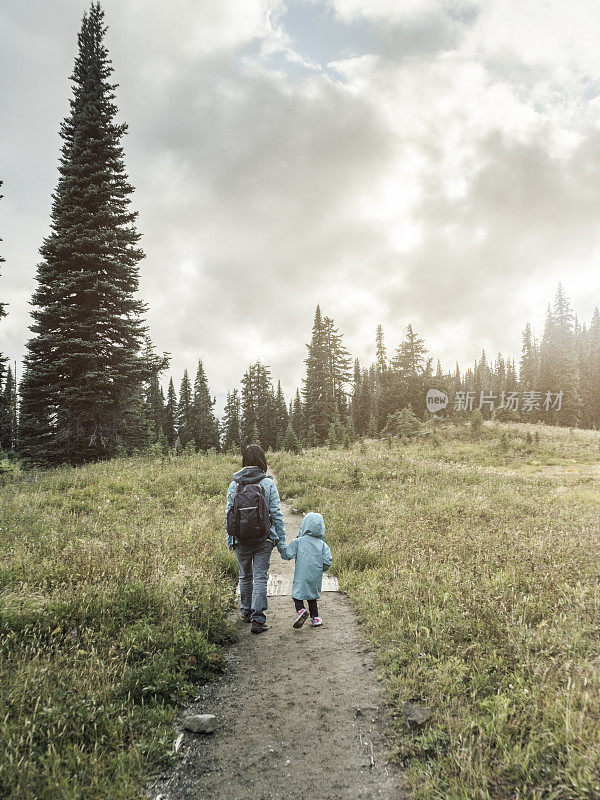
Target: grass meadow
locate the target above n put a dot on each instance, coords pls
(114, 591)
(471, 556)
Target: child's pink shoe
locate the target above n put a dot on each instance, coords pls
(301, 618)
(315, 622)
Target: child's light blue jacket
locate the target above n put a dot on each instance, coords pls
(312, 556)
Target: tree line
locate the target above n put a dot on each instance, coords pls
(91, 387)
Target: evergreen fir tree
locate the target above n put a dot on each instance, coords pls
(204, 425)
(3, 358)
(512, 380)
(312, 439)
(290, 441)
(155, 402)
(335, 435)
(350, 435)
(282, 416)
(558, 362)
(338, 367)
(258, 407)
(362, 401)
(6, 435)
(8, 413)
(482, 382)
(356, 392)
(498, 376)
(232, 422)
(185, 421)
(410, 371)
(82, 389)
(529, 366)
(372, 431)
(318, 402)
(388, 397)
(590, 383)
(170, 415)
(162, 442)
(380, 354)
(327, 373)
(297, 417)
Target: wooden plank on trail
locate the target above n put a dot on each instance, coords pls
(281, 585)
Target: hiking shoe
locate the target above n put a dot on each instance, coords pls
(259, 627)
(247, 617)
(301, 618)
(315, 622)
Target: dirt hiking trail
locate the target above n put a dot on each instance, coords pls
(300, 712)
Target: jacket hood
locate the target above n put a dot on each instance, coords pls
(248, 475)
(313, 525)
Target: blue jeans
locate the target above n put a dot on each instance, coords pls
(253, 562)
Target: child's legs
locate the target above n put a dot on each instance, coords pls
(313, 608)
(298, 603)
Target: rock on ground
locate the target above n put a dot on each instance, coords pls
(200, 723)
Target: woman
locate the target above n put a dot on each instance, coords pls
(254, 526)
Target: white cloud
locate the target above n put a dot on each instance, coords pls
(560, 37)
(385, 10)
(448, 176)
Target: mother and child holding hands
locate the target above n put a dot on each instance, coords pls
(254, 527)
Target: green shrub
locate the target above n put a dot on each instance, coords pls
(403, 423)
(476, 421)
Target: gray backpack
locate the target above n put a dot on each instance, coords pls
(248, 520)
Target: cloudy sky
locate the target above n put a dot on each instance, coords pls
(426, 161)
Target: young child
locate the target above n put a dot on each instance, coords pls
(313, 556)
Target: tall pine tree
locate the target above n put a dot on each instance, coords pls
(204, 425)
(410, 370)
(259, 409)
(8, 413)
(318, 402)
(558, 361)
(5, 410)
(3, 358)
(590, 379)
(82, 389)
(338, 367)
(185, 423)
(529, 366)
(232, 422)
(327, 373)
(170, 415)
(282, 416)
(297, 417)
